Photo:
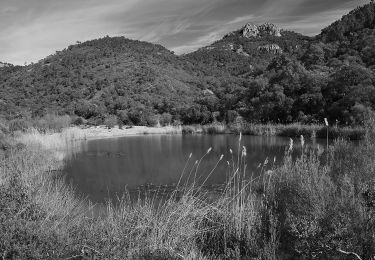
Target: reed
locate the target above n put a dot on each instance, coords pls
(51, 139)
(305, 208)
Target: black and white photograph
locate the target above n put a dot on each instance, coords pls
(187, 129)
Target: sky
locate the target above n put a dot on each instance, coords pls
(30, 30)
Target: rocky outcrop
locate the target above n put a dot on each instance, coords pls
(252, 30)
(208, 92)
(270, 29)
(242, 52)
(270, 48)
(5, 64)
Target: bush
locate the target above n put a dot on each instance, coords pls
(151, 119)
(186, 129)
(3, 127)
(120, 123)
(4, 144)
(124, 117)
(231, 116)
(52, 122)
(96, 121)
(78, 121)
(110, 121)
(18, 125)
(214, 128)
(165, 119)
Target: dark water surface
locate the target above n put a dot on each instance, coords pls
(101, 169)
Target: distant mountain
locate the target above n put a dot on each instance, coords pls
(248, 49)
(283, 76)
(259, 72)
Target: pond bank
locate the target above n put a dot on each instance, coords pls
(311, 206)
(71, 135)
(290, 130)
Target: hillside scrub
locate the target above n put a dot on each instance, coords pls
(331, 75)
(304, 208)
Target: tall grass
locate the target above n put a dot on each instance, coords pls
(289, 130)
(296, 130)
(51, 139)
(306, 208)
(52, 122)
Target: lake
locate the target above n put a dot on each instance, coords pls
(103, 168)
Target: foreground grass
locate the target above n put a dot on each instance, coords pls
(303, 209)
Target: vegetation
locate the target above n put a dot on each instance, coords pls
(289, 130)
(330, 75)
(318, 204)
(306, 208)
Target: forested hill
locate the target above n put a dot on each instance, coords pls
(110, 76)
(289, 77)
(259, 72)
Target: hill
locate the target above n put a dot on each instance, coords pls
(290, 77)
(110, 76)
(259, 72)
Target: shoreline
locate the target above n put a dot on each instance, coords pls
(73, 134)
(102, 132)
(291, 130)
(189, 218)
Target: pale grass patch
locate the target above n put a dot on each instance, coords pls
(36, 169)
(52, 140)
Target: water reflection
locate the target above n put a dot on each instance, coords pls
(101, 169)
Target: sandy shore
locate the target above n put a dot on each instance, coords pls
(99, 132)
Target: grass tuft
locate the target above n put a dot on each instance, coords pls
(314, 205)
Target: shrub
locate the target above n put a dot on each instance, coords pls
(186, 129)
(18, 125)
(231, 116)
(52, 122)
(95, 121)
(120, 123)
(110, 121)
(165, 119)
(4, 144)
(3, 127)
(78, 121)
(214, 128)
(151, 119)
(123, 116)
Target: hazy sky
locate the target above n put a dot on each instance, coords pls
(32, 29)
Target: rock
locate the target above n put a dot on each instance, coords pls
(242, 52)
(252, 30)
(270, 48)
(270, 29)
(208, 92)
(3, 64)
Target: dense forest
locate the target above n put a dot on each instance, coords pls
(266, 78)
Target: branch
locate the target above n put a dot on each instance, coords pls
(92, 249)
(349, 253)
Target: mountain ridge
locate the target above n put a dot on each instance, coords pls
(261, 73)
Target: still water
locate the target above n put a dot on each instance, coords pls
(101, 169)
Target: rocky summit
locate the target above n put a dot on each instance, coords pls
(253, 30)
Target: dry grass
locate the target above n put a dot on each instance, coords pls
(302, 209)
(51, 139)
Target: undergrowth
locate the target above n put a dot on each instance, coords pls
(318, 205)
